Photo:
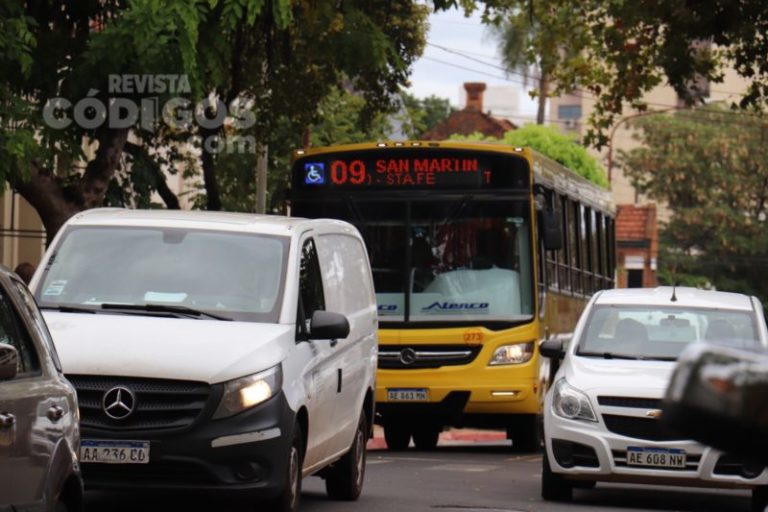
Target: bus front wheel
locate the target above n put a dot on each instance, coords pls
(397, 436)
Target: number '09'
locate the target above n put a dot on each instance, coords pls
(343, 173)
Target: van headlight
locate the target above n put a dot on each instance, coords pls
(518, 353)
(246, 392)
(570, 403)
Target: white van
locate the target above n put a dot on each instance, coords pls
(215, 351)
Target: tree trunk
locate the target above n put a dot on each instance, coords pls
(543, 95)
(54, 203)
(213, 196)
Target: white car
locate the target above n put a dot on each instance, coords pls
(601, 415)
(215, 351)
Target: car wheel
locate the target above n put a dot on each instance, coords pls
(397, 436)
(759, 498)
(525, 434)
(553, 486)
(425, 438)
(289, 498)
(344, 480)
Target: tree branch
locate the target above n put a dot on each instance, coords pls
(161, 184)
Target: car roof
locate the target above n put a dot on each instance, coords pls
(220, 221)
(691, 297)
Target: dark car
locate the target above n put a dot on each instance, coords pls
(39, 432)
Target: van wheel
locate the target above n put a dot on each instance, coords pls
(397, 436)
(553, 486)
(759, 498)
(425, 438)
(344, 480)
(289, 498)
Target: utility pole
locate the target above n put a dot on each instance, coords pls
(261, 177)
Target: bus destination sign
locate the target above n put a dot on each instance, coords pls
(377, 171)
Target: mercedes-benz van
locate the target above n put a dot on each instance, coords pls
(215, 351)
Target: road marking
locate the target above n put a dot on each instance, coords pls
(464, 468)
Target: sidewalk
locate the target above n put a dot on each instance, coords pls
(450, 436)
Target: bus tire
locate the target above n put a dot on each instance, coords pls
(397, 436)
(525, 433)
(553, 486)
(426, 438)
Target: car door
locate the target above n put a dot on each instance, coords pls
(30, 418)
(319, 371)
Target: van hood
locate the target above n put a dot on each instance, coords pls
(209, 351)
(619, 377)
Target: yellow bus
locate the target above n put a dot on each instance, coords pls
(479, 252)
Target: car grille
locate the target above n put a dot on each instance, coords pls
(691, 462)
(405, 357)
(631, 402)
(639, 428)
(159, 404)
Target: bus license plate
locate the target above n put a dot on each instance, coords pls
(114, 452)
(407, 395)
(656, 457)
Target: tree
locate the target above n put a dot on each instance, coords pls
(616, 51)
(710, 166)
(426, 113)
(255, 63)
(552, 144)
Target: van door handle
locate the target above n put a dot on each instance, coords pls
(7, 420)
(55, 413)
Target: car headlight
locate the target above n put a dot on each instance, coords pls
(518, 353)
(570, 403)
(246, 392)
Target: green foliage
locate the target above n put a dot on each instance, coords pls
(426, 113)
(552, 144)
(710, 166)
(616, 51)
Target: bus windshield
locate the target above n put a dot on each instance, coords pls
(444, 260)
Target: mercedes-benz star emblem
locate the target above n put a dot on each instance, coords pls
(118, 403)
(407, 356)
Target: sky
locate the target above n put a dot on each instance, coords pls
(460, 49)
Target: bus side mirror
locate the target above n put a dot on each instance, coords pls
(551, 230)
(719, 396)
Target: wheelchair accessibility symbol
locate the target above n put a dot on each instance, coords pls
(314, 174)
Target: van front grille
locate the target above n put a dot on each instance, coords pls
(156, 403)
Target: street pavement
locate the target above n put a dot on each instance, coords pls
(467, 473)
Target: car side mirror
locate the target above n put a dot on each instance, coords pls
(9, 362)
(553, 348)
(326, 325)
(719, 396)
(551, 230)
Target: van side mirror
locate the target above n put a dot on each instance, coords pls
(553, 348)
(9, 362)
(551, 230)
(719, 396)
(326, 325)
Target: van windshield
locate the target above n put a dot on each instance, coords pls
(232, 275)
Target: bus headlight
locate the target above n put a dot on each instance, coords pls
(518, 353)
(570, 403)
(244, 393)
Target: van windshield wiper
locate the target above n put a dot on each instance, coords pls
(164, 308)
(69, 309)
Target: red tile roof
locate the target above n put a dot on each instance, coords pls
(467, 122)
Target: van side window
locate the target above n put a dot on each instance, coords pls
(311, 297)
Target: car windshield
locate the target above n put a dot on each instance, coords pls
(231, 275)
(643, 332)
